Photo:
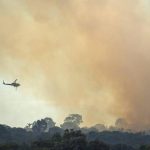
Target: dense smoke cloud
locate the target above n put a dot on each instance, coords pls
(90, 57)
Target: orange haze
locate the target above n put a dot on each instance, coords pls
(90, 57)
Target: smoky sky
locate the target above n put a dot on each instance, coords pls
(89, 57)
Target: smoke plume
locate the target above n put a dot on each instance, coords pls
(87, 57)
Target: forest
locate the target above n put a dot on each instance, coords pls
(45, 135)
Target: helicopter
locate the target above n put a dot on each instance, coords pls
(14, 84)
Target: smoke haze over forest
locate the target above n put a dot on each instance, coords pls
(86, 57)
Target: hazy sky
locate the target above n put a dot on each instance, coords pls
(89, 57)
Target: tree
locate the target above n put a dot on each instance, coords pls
(100, 127)
(74, 140)
(121, 123)
(97, 145)
(144, 147)
(42, 125)
(72, 121)
(9, 147)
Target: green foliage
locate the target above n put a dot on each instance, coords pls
(9, 147)
(145, 147)
(70, 140)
